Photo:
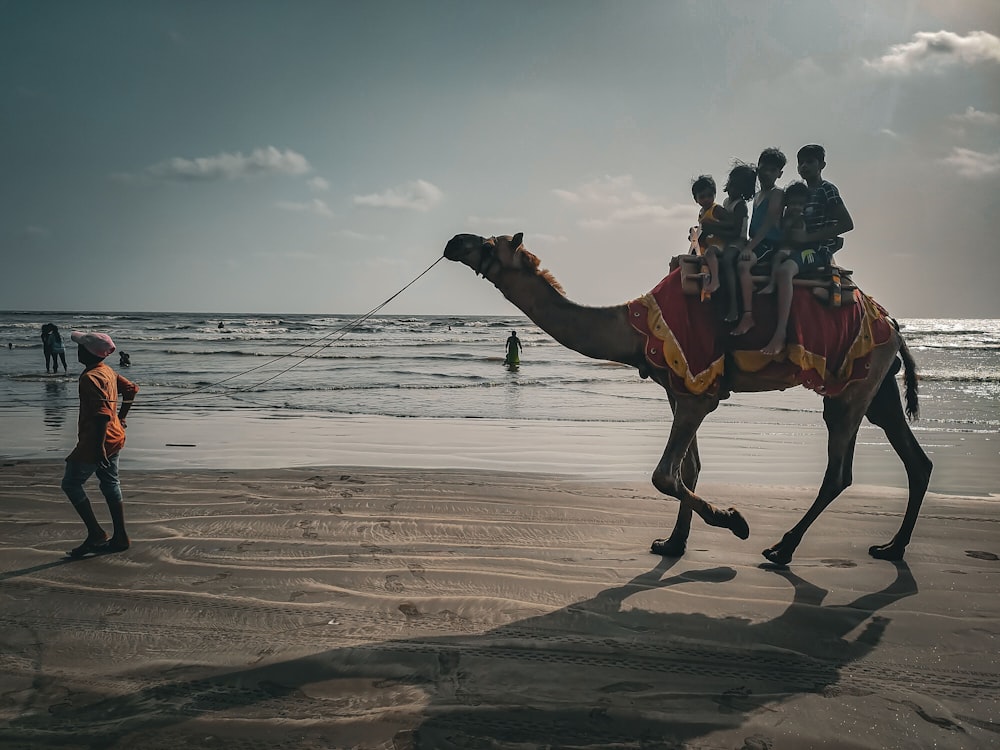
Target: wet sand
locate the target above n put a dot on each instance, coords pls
(366, 607)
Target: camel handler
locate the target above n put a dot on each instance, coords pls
(101, 437)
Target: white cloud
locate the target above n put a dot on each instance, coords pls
(645, 212)
(315, 206)
(226, 166)
(318, 184)
(624, 202)
(972, 116)
(360, 236)
(608, 190)
(418, 195)
(288, 255)
(494, 221)
(550, 238)
(973, 164)
(889, 132)
(35, 232)
(937, 49)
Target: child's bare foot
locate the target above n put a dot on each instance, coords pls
(768, 289)
(775, 346)
(746, 323)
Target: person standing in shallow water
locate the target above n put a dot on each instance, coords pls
(513, 350)
(57, 348)
(101, 437)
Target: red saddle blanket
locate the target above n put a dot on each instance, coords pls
(827, 347)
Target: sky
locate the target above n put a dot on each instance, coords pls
(315, 157)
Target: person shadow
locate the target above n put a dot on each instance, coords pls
(594, 673)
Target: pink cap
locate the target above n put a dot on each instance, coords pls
(98, 344)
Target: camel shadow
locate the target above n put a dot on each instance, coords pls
(593, 673)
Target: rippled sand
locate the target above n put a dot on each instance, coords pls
(391, 608)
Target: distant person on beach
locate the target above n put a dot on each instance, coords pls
(765, 230)
(221, 324)
(101, 437)
(826, 219)
(124, 360)
(513, 349)
(52, 348)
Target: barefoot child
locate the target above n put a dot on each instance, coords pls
(796, 196)
(101, 438)
(765, 230)
(718, 229)
(739, 189)
(826, 218)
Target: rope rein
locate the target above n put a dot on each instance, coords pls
(342, 331)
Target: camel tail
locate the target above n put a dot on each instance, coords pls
(910, 381)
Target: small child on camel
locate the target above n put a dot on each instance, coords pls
(724, 229)
(826, 219)
(765, 230)
(796, 195)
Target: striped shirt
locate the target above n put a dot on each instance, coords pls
(822, 200)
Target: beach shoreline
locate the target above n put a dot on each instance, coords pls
(761, 454)
(362, 607)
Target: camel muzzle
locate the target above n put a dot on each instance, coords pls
(461, 245)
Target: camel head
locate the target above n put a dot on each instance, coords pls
(490, 257)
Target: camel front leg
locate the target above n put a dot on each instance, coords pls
(676, 544)
(668, 477)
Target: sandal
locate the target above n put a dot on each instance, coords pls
(89, 547)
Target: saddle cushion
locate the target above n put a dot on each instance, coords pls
(826, 349)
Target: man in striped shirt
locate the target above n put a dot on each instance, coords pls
(826, 218)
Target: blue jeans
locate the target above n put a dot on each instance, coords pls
(78, 473)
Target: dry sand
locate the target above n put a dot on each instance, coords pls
(391, 608)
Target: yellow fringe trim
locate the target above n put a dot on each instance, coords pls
(674, 356)
(864, 342)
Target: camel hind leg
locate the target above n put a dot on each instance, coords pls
(843, 416)
(886, 411)
(669, 476)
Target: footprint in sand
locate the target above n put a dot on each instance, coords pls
(392, 583)
(978, 555)
(417, 571)
(307, 532)
(409, 610)
(837, 563)
(757, 742)
(217, 577)
(349, 478)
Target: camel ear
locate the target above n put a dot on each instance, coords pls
(516, 242)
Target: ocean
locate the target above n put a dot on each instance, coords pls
(441, 367)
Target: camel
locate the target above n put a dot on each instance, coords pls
(605, 333)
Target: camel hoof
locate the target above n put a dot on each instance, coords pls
(738, 524)
(887, 552)
(668, 548)
(777, 555)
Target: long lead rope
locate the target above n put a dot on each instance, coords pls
(343, 331)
